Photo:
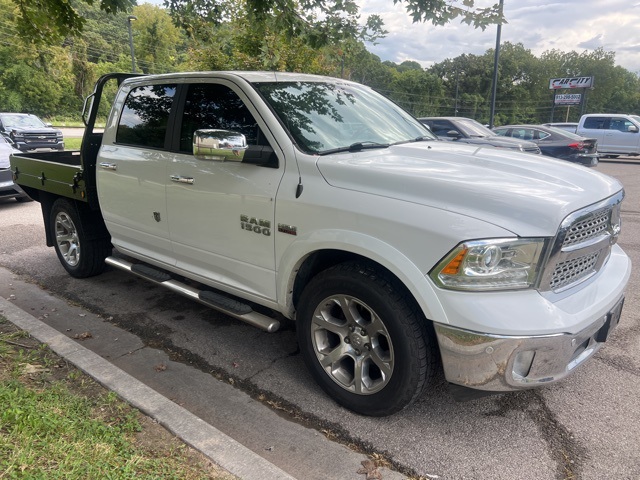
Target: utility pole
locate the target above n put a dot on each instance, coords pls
(133, 58)
(496, 57)
(455, 108)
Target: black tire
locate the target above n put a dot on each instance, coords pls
(81, 247)
(378, 351)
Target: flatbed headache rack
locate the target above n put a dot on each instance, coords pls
(72, 173)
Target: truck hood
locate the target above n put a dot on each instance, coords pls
(527, 194)
(34, 130)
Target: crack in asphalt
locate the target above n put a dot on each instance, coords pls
(567, 453)
(619, 362)
(565, 450)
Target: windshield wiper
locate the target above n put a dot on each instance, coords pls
(422, 138)
(355, 147)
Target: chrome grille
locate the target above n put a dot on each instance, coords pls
(570, 271)
(582, 244)
(39, 138)
(588, 228)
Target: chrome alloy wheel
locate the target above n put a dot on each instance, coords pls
(67, 239)
(352, 344)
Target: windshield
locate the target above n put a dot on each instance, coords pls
(474, 129)
(21, 121)
(325, 117)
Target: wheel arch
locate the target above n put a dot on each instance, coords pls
(383, 257)
(87, 216)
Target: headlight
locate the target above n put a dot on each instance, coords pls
(495, 264)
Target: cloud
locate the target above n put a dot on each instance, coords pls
(592, 43)
(563, 25)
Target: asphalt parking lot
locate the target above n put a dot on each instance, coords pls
(253, 385)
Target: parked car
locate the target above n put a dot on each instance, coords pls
(617, 134)
(28, 132)
(467, 130)
(8, 189)
(568, 126)
(555, 142)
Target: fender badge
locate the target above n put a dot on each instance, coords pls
(288, 229)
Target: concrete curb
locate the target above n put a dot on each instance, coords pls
(220, 448)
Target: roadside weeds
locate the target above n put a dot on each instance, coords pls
(57, 422)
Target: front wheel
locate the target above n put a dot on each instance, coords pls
(80, 249)
(365, 343)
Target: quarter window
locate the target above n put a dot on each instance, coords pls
(145, 116)
(542, 135)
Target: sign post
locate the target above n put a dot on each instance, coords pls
(569, 99)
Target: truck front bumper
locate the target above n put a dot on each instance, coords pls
(500, 363)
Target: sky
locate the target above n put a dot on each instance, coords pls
(579, 25)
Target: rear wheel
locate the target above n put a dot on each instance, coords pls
(80, 251)
(365, 343)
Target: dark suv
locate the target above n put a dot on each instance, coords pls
(28, 132)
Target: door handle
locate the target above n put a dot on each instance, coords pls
(108, 166)
(180, 179)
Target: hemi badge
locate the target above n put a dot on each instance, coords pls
(289, 229)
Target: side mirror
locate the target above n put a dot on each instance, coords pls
(48, 125)
(453, 134)
(222, 145)
(632, 129)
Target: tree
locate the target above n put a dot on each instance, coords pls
(236, 45)
(156, 39)
(317, 20)
(440, 12)
(41, 21)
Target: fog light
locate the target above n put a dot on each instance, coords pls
(522, 363)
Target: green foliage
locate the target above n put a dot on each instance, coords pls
(56, 423)
(310, 36)
(158, 41)
(53, 79)
(441, 12)
(523, 94)
(317, 23)
(45, 21)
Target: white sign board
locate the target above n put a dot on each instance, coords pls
(570, 82)
(568, 99)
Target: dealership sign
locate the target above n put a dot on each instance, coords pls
(570, 82)
(568, 99)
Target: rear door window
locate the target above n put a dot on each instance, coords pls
(145, 116)
(596, 123)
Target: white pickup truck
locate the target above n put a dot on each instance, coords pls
(320, 200)
(617, 134)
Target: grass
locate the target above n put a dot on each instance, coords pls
(72, 143)
(56, 422)
(65, 122)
